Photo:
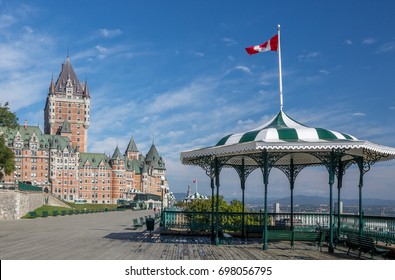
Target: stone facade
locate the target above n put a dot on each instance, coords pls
(57, 159)
(16, 204)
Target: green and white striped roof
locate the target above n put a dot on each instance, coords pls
(282, 128)
(285, 134)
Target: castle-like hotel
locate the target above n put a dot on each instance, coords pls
(58, 162)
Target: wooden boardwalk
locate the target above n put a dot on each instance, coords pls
(110, 236)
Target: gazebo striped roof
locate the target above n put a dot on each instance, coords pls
(282, 128)
(283, 134)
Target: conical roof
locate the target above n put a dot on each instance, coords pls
(153, 159)
(86, 90)
(282, 128)
(67, 73)
(132, 148)
(117, 153)
(51, 87)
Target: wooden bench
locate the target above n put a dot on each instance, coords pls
(280, 234)
(253, 231)
(364, 244)
(257, 230)
(318, 237)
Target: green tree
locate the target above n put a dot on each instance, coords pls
(7, 157)
(236, 206)
(204, 205)
(7, 118)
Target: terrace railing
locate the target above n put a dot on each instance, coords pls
(382, 229)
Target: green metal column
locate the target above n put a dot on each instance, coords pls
(242, 182)
(217, 201)
(292, 185)
(339, 186)
(331, 182)
(212, 208)
(266, 182)
(360, 185)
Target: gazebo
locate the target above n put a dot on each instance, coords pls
(290, 146)
(194, 196)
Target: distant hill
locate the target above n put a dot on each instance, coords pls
(317, 200)
(309, 200)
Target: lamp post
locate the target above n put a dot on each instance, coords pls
(163, 187)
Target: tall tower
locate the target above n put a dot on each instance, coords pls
(68, 104)
(276, 207)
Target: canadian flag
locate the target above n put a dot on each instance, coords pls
(194, 180)
(271, 45)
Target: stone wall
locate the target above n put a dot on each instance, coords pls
(16, 204)
(53, 201)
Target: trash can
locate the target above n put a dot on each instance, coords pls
(150, 222)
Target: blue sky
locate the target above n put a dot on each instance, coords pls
(176, 72)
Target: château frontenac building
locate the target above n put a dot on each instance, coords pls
(57, 159)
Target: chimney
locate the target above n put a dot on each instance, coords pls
(25, 124)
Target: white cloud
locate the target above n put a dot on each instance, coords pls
(229, 41)
(109, 33)
(244, 69)
(185, 97)
(28, 29)
(359, 114)
(348, 42)
(198, 54)
(6, 20)
(246, 122)
(369, 41)
(308, 56)
(387, 47)
(325, 72)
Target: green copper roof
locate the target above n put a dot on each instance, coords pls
(27, 134)
(153, 159)
(135, 165)
(117, 154)
(282, 128)
(94, 159)
(131, 146)
(65, 128)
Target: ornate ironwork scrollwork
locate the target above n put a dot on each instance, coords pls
(330, 160)
(272, 158)
(369, 158)
(244, 171)
(206, 163)
(341, 170)
(286, 169)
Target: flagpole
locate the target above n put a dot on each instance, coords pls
(280, 78)
(196, 186)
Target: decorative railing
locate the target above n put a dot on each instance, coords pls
(380, 228)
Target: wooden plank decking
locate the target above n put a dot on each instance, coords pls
(111, 236)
